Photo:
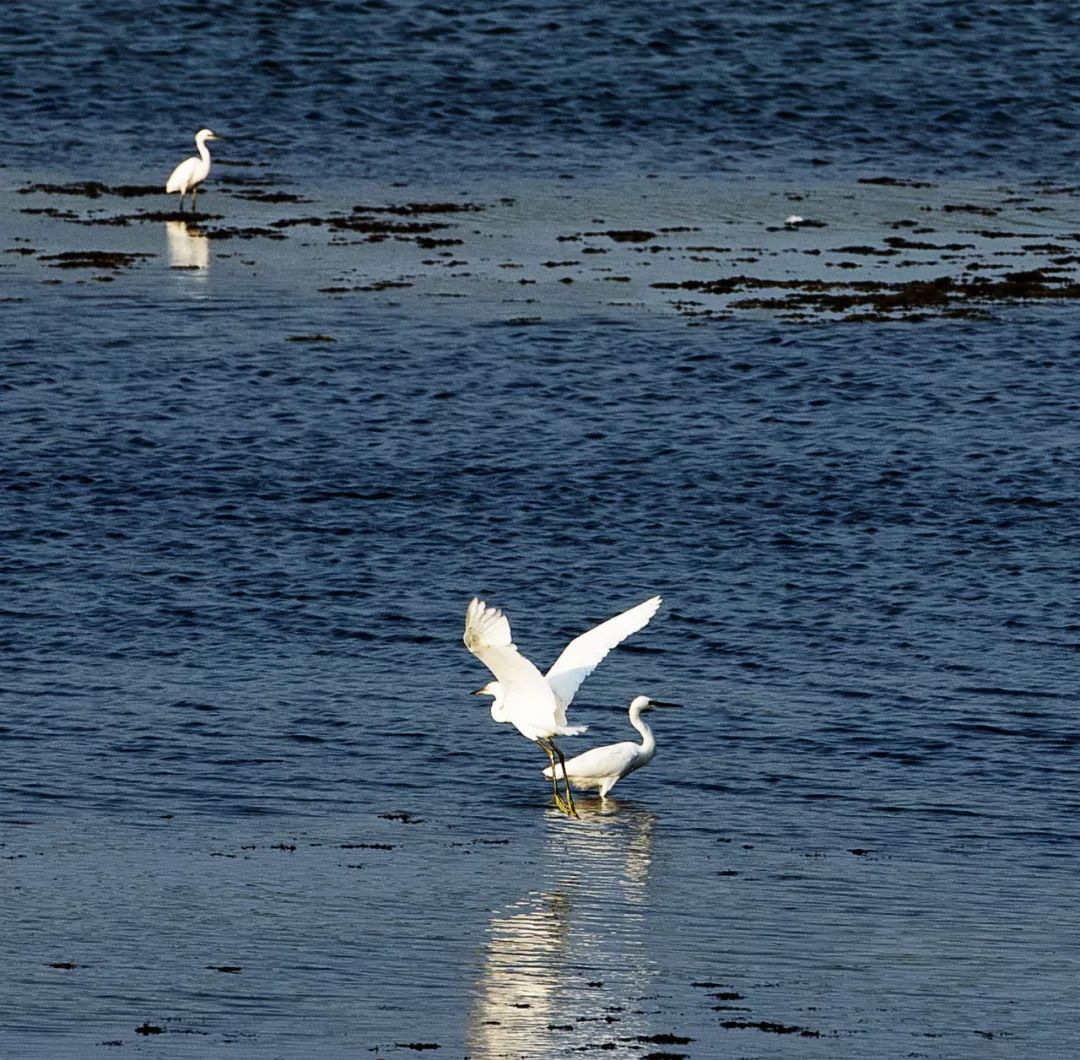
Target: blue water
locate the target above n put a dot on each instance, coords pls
(246, 792)
(355, 88)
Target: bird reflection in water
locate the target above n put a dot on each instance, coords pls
(188, 247)
(587, 925)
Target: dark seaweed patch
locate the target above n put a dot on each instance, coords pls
(984, 211)
(626, 235)
(253, 232)
(770, 1028)
(92, 259)
(411, 209)
(122, 220)
(257, 195)
(92, 189)
(900, 243)
(383, 285)
(895, 182)
(363, 225)
(944, 295)
(877, 251)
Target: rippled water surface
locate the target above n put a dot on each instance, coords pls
(250, 483)
(351, 88)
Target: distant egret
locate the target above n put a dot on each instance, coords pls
(604, 767)
(192, 171)
(535, 704)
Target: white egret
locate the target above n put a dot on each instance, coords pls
(192, 171)
(604, 767)
(535, 704)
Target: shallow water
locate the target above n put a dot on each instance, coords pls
(249, 488)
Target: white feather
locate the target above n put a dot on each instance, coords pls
(531, 702)
(524, 697)
(585, 653)
(190, 173)
(603, 767)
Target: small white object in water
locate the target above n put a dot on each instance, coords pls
(192, 171)
(793, 219)
(604, 767)
(534, 703)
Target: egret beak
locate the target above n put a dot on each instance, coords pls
(661, 703)
(480, 692)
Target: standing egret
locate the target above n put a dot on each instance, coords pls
(535, 704)
(604, 767)
(192, 171)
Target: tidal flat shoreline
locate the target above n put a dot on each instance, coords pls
(876, 249)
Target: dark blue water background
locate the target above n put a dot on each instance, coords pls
(360, 88)
(244, 788)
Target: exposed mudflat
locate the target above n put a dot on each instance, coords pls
(881, 249)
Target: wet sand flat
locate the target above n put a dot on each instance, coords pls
(875, 250)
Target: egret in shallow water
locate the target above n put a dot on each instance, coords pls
(192, 171)
(604, 767)
(534, 703)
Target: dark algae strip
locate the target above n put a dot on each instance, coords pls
(769, 1027)
(870, 300)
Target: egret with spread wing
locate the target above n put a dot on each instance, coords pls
(604, 767)
(533, 703)
(192, 171)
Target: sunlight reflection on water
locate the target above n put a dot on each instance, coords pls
(594, 914)
(188, 248)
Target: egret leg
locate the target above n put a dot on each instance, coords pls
(559, 800)
(194, 192)
(571, 808)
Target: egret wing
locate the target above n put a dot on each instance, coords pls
(487, 636)
(583, 654)
(181, 175)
